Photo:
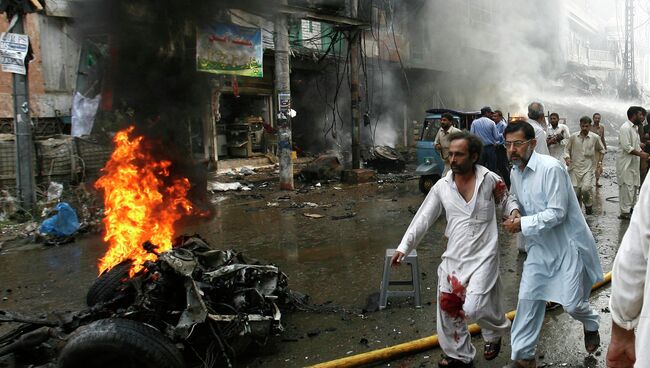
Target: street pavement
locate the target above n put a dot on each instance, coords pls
(330, 241)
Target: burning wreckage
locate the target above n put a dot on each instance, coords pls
(191, 304)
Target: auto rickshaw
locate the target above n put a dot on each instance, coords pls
(430, 164)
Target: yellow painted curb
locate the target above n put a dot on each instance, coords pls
(414, 346)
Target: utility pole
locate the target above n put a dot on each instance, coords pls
(283, 94)
(354, 37)
(629, 89)
(23, 132)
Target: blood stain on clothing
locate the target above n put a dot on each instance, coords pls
(456, 287)
(456, 337)
(452, 303)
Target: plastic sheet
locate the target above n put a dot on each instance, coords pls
(63, 223)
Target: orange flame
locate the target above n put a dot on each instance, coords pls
(139, 203)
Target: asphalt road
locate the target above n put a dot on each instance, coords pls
(337, 259)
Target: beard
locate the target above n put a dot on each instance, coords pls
(520, 161)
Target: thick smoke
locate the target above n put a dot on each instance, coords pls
(153, 74)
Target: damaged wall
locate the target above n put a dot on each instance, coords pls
(52, 73)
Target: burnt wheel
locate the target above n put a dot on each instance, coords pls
(427, 182)
(107, 286)
(123, 343)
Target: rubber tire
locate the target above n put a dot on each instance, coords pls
(123, 343)
(427, 182)
(106, 285)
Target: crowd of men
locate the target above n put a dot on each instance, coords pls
(539, 176)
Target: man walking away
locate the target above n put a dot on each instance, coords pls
(469, 286)
(485, 129)
(628, 161)
(581, 150)
(630, 300)
(441, 140)
(600, 130)
(502, 157)
(556, 137)
(538, 122)
(562, 262)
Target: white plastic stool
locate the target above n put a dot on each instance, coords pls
(411, 260)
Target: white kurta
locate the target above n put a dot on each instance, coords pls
(472, 250)
(560, 246)
(630, 300)
(627, 165)
(540, 136)
(557, 149)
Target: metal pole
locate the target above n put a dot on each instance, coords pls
(23, 131)
(355, 43)
(283, 93)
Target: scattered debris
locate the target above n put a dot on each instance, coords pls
(272, 204)
(385, 159)
(245, 170)
(218, 199)
(358, 176)
(8, 206)
(198, 304)
(216, 186)
(344, 216)
(327, 167)
(313, 215)
(54, 192)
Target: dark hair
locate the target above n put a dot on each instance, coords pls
(585, 119)
(555, 114)
(448, 116)
(633, 110)
(520, 126)
(474, 143)
(594, 115)
(485, 110)
(498, 112)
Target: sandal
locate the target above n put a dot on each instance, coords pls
(492, 349)
(592, 341)
(449, 362)
(552, 305)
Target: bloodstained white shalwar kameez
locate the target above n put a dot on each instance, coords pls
(630, 301)
(628, 166)
(562, 262)
(470, 264)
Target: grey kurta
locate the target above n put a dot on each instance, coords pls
(582, 150)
